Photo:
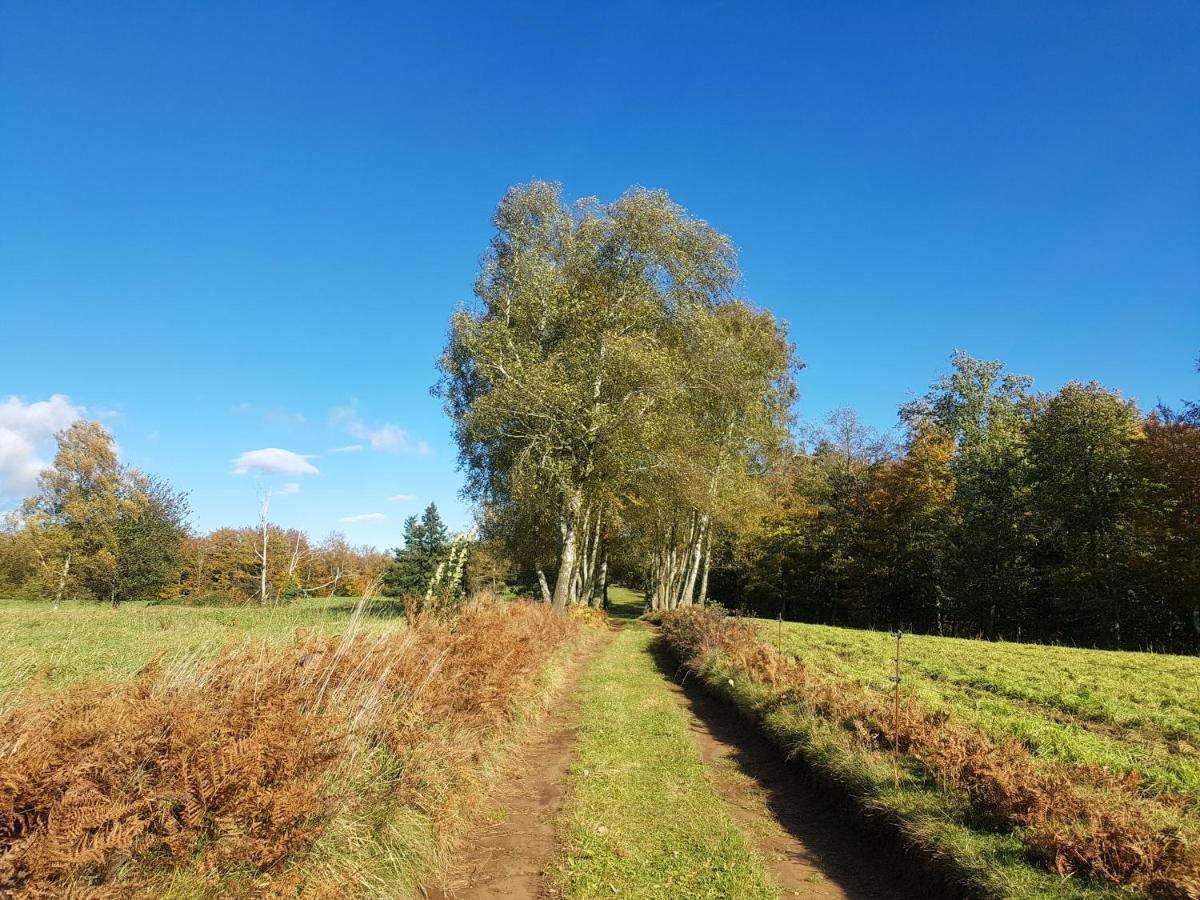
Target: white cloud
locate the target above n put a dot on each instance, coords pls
(402, 498)
(390, 438)
(290, 488)
(424, 449)
(25, 433)
(349, 448)
(365, 517)
(273, 461)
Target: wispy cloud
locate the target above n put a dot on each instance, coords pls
(272, 461)
(402, 498)
(26, 430)
(386, 437)
(278, 416)
(274, 415)
(365, 517)
(349, 448)
(290, 488)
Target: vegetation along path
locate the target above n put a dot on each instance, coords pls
(511, 851)
(671, 798)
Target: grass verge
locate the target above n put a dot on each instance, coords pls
(643, 820)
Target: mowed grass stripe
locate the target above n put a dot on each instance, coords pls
(1067, 705)
(643, 819)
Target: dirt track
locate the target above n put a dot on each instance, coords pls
(808, 844)
(810, 847)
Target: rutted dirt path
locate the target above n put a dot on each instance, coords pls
(811, 848)
(509, 855)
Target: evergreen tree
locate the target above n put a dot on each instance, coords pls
(426, 546)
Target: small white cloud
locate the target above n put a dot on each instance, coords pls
(26, 430)
(424, 449)
(365, 517)
(389, 438)
(402, 498)
(349, 448)
(290, 488)
(273, 461)
(278, 416)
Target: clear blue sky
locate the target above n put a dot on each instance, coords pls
(219, 223)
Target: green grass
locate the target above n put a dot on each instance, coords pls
(644, 821)
(94, 641)
(1124, 711)
(935, 820)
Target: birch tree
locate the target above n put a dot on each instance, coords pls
(553, 374)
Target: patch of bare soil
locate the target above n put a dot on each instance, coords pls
(811, 847)
(510, 854)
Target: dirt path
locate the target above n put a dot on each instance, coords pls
(810, 847)
(508, 855)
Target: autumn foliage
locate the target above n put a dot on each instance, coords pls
(233, 772)
(1074, 819)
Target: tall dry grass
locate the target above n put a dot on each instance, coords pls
(228, 777)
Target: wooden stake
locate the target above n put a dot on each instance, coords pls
(896, 711)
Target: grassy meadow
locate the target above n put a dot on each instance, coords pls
(85, 641)
(1128, 712)
(1024, 771)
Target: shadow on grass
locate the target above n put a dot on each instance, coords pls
(848, 853)
(624, 604)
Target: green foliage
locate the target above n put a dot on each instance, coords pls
(1067, 517)
(426, 546)
(607, 384)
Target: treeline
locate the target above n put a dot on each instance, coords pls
(99, 530)
(1068, 517)
(616, 405)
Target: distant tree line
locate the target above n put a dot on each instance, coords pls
(1068, 517)
(99, 530)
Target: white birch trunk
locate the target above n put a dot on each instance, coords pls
(704, 578)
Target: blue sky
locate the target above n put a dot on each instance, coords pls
(230, 227)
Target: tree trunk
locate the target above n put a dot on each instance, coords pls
(262, 590)
(62, 581)
(704, 577)
(689, 589)
(570, 552)
(600, 599)
(545, 587)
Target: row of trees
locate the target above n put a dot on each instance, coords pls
(99, 530)
(615, 404)
(1067, 517)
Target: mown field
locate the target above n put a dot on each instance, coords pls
(1023, 771)
(1124, 711)
(84, 641)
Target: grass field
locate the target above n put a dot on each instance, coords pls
(644, 821)
(1026, 771)
(94, 641)
(1123, 711)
